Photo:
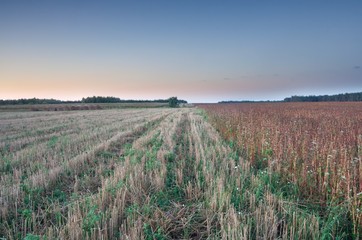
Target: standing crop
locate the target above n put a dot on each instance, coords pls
(312, 151)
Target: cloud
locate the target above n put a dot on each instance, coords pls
(357, 67)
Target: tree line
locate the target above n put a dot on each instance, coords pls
(94, 99)
(33, 101)
(98, 99)
(343, 97)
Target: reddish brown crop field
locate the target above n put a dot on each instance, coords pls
(314, 147)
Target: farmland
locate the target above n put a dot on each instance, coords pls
(233, 171)
(313, 151)
(77, 106)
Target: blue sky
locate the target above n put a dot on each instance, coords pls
(201, 51)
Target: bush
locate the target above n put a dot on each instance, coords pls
(173, 102)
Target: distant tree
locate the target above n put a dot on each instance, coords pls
(173, 102)
(99, 99)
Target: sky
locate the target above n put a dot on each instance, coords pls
(200, 51)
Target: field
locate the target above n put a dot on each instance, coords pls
(234, 171)
(308, 152)
(77, 106)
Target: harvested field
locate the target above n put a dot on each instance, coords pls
(144, 174)
(78, 106)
